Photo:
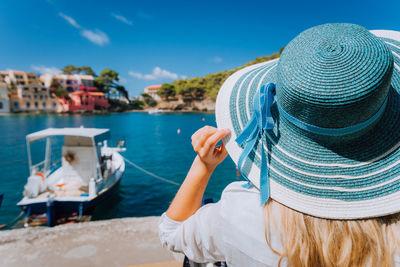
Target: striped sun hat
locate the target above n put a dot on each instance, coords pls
(318, 130)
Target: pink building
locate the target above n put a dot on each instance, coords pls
(84, 100)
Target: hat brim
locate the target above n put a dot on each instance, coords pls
(358, 179)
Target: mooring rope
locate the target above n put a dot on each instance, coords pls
(159, 177)
(13, 221)
(150, 173)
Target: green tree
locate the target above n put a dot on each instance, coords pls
(167, 90)
(136, 104)
(88, 71)
(108, 81)
(61, 93)
(149, 100)
(71, 69)
(121, 89)
(210, 84)
(55, 84)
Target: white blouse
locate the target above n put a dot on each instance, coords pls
(230, 230)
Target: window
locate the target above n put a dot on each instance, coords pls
(28, 104)
(29, 96)
(41, 96)
(1, 105)
(36, 104)
(35, 89)
(44, 89)
(16, 104)
(26, 88)
(54, 104)
(44, 104)
(35, 96)
(68, 82)
(31, 77)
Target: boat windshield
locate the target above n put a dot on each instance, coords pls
(45, 155)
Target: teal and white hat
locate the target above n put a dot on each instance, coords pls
(318, 130)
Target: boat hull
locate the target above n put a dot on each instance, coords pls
(65, 208)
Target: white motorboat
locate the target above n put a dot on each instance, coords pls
(87, 172)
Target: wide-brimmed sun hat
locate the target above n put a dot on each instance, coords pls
(318, 130)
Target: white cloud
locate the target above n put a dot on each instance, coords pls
(217, 59)
(70, 20)
(97, 37)
(157, 74)
(121, 18)
(143, 15)
(44, 69)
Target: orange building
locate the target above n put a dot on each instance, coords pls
(28, 93)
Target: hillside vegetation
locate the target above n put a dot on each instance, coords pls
(209, 85)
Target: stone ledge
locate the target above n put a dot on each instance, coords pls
(116, 242)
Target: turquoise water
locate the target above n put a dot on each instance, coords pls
(152, 142)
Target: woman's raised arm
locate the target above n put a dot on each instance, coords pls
(188, 199)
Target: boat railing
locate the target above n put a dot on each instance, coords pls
(46, 170)
(38, 166)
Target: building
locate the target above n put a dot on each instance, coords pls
(3, 76)
(34, 97)
(4, 98)
(27, 93)
(83, 96)
(70, 82)
(84, 100)
(17, 77)
(152, 91)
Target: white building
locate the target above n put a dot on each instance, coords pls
(152, 91)
(70, 82)
(4, 99)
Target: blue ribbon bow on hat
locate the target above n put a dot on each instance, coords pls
(260, 121)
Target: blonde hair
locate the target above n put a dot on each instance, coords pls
(312, 241)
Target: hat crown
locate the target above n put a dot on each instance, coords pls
(334, 75)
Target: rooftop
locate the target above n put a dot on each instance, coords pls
(97, 134)
(153, 87)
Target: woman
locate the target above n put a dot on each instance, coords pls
(317, 135)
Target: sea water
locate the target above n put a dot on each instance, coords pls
(158, 143)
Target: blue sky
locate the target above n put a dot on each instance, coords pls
(152, 42)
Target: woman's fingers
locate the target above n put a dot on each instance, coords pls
(213, 140)
(221, 151)
(200, 137)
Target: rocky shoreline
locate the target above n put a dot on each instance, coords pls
(187, 104)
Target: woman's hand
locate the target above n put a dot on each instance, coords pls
(188, 199)
(204, 141)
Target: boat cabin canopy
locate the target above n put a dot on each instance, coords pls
(80, 143)
(97, 135)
